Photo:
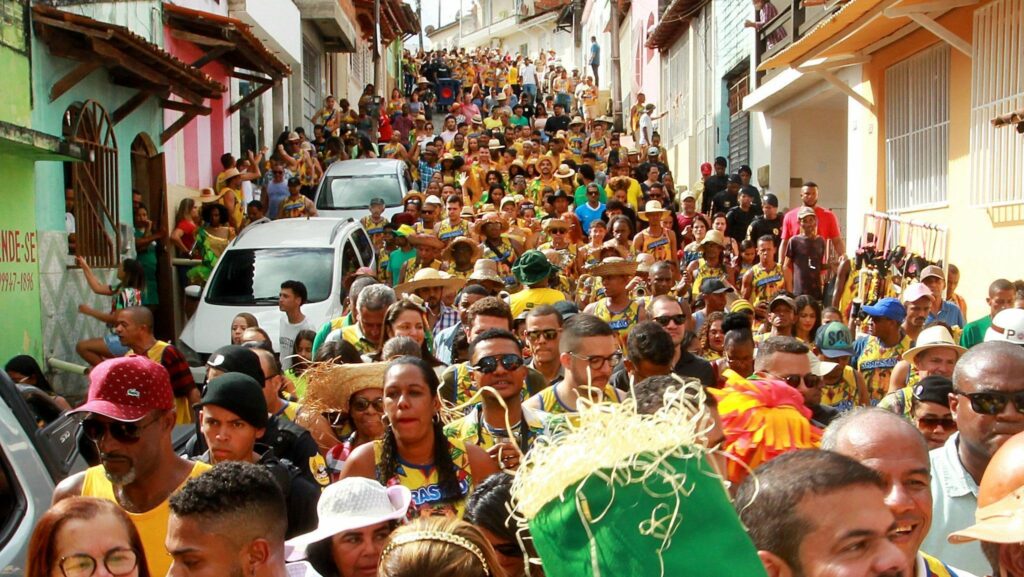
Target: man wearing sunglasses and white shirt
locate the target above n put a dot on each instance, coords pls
(129, 415)
(789, 360)
(503, 427)
(589, 351)
(988, 405)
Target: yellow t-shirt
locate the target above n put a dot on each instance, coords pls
(526, 299)
(422, 482)
(634, 193)
(152, 525)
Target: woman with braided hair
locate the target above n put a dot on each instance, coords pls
(414, 452)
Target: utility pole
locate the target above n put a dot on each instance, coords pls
(616, 68)
(376, 44)
(419, 16)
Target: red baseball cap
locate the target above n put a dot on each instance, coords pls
(706, 169)
(127, 389)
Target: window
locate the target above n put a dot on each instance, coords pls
(12, 503)
(364, 246)
(341, 192)
(917, 130)
(997, 154)
(311, 82)
(254, 276)
(675, 79)
(349, 259)
(94, 182)
(13, 25)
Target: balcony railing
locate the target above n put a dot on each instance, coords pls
(795, 20)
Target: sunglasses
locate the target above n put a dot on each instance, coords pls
(930, 422)
(993, 402)
(664, 320)
(361, 404)
(548, 334)
(810, 380)
(488, 365)
(558, 231)
(124, 433)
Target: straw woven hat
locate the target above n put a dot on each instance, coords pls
(615, 266)
(331, 386)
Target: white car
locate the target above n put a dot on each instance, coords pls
(247, 278)
(348, 186)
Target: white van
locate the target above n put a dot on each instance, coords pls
(319, 252)
(348, 186)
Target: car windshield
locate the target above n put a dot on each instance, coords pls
(254, 276)
(347, 192)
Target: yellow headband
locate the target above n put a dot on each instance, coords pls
(406, 538)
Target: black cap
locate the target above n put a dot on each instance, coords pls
(240, 394)
(769, 198)
(934, 389)
(567, 309)
(735, 179)
(236, 359)
(714, 286)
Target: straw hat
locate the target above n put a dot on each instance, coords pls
(467, 212)
(428, 278)
(477, 119)
(332, 386)
(413, 195)
(576, 120)
(494, 144)
(553, 223)
(422, 80)
(207, 195)
(229, 174)
(564, 171)
(486, 270)
(459, 241)
(714, 237)
(653, 208)
(615, 266)
(605, 119)
(612, 245)
(426, 240)
(933, 338)
(644, 262)
(489, 218)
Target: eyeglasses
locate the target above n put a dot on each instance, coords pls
(664, 320)
(548, 334)
(596, 362)
(558, 231)
(125, 433)
(361, 404)
(488, 365)
(810, 380)
(117, 562)
(994, 402)
(932, 422)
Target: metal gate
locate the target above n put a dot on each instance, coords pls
(95, 184)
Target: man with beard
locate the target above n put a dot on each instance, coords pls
(988, 405)
(917, 298)
(894, 449)
(787, 359)
(674, 317)
(428, 251)
(504, 428)
(230, 522)
(830, 523)
(129, 415)
(589, 351)
(429, 284)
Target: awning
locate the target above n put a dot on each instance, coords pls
(860, 25)
(336, 28)
(130, 60)
(396, 20)
(34, 145)
(673, 23)
(231, 42)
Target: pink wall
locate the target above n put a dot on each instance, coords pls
(205, 138)
(645, 63)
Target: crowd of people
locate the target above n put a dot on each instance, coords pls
(565, 363)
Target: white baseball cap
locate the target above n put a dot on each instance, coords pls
(1008, 326)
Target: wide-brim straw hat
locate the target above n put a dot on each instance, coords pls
(429, 278)
(576, 120)
(426, 240)
(489, 218)
(462, 240)
(714, 237)
(422, 80)
(615, 266)
(413, 195)
(486, 270)
(555, 223)
(605, 120)
(564, 171)
(933, 338)
(207, 195)
(653, 208)
(330, 387)
(494, 144)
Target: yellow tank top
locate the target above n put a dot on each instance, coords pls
(657, 246)
(152, 525)
(449, 232)
(182, 408)
(422, 482)
(842, 395)
(766, 283)
(553, 404)
(704, 272)
(621, 321)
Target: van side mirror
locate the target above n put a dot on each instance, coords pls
(193, 291)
